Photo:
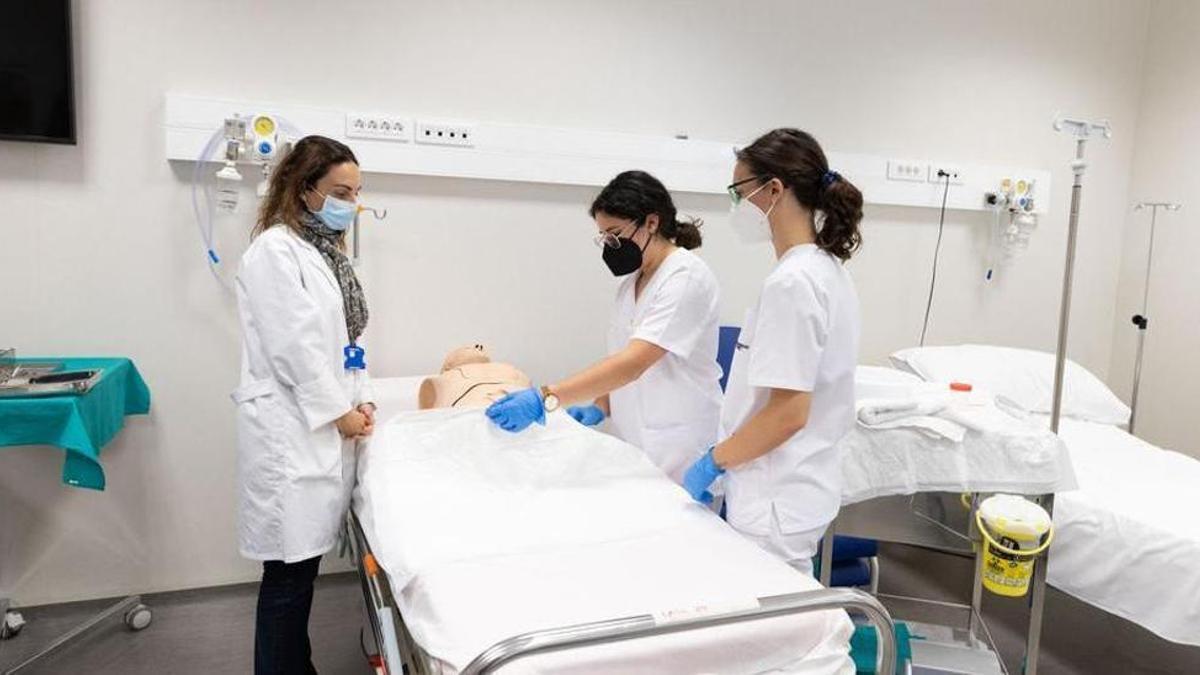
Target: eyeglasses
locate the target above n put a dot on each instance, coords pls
(610, 239)
(734, 195)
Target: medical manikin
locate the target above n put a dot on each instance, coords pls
(469, 379)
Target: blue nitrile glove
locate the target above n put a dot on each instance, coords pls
(700, 475)
(587, 415)
(518, 410)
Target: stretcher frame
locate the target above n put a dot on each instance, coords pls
(887, 519)
(398, 653)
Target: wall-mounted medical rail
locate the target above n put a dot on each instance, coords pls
(399, 651)
(564, 156)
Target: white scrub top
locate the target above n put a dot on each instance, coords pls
(672, 411)
(801, 336)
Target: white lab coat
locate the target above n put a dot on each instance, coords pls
(673, 410)
(802, 336)
(295, 472)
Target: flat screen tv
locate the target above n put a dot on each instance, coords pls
(37, 90)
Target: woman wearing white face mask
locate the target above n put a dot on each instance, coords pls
(303, 400)
(660, 382)
(790, 396)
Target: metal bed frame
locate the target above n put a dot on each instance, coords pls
(399, 653)
(136, 616)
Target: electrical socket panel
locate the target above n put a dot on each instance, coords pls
(955, 171)
(378, 126)
(899, 169)
(435, 132)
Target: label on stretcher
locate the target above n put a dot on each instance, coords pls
(701, 611)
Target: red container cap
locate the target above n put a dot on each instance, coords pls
(960, 386)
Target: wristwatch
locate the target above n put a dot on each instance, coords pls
(549, 399)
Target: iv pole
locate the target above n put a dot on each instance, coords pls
(1141, 320)
(1082, 131)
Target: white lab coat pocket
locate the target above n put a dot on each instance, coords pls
(261, 468)
(258, 416)
(319, 454)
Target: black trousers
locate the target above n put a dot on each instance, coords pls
(281, 645)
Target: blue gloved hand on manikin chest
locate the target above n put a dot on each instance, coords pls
(516, 411)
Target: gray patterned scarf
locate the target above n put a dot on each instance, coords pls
(327, 242)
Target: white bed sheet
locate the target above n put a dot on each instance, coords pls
(998, 453)
(1128, 540)
(485, 535)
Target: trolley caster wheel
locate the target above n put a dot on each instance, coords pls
(11, 624)
(138, 617)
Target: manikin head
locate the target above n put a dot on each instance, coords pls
(466, 355)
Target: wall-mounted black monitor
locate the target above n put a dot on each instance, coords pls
(37, 90)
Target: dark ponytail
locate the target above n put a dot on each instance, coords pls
(841, 203)
(637, 194)
(797, 160)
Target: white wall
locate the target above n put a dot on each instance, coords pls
(121, 270)
(1164, 169)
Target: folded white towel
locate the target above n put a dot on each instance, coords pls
(918, 413)
(872, 412)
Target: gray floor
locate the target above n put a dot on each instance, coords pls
(206, 631)
(211, 630)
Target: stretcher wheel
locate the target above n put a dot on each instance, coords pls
(138, 617)
(11, 623)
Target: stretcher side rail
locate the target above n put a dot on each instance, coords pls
(396, 649)
(393, 647)
(634, 627)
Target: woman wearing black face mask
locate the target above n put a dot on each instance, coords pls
(660, 382)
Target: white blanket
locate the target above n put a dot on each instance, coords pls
(485, 535)
(927, 439)
(1128, 539)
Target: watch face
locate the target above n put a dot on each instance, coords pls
(551, 402)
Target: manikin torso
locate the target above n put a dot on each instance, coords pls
(469, 379)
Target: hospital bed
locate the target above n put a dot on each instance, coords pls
(1128, 539)
(917, 483)
(564, 550)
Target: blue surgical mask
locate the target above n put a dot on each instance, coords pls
(337, 214)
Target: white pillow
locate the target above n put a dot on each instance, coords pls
(878, 382)
(1023, 375)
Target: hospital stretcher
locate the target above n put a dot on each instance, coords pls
(1127, 539)
(903, 486)
(615, 571)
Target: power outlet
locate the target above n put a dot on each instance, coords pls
(938, 169)
(378, 126)
(898, 169)
(434, 132)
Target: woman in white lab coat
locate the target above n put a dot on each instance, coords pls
(303, 400)
(790, 396)
(660, 383)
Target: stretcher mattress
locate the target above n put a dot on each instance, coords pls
(999, 452)
(486, 535)
(1128, 539)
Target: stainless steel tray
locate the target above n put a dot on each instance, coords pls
(69, 383)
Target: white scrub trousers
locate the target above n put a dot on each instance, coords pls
(796, 548)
